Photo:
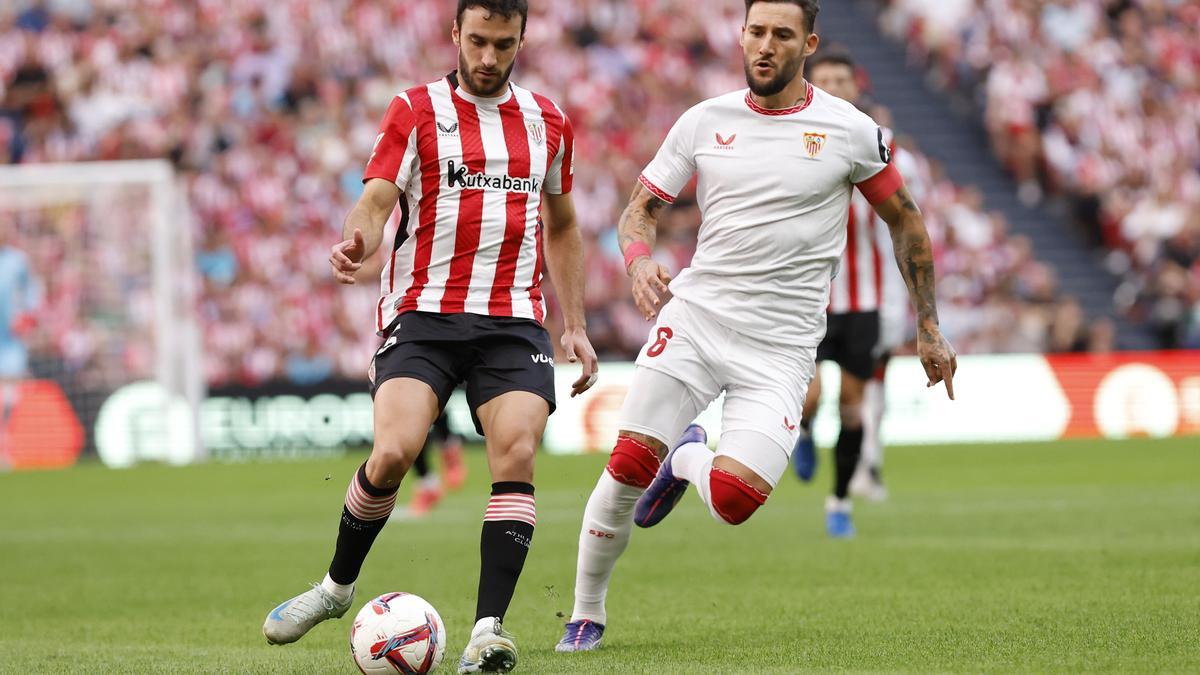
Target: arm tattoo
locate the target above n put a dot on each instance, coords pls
(914, 254)
(639, 222)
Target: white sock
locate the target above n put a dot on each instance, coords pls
(693, 462)
(340, 592)
(873, 408)
(485, 625)
(835, 505)
(607, 523)
(431, 482)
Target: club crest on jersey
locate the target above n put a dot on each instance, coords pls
(537, 131)
(450, 130)
(814, 143)
(724, 143)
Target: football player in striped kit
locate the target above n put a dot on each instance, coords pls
(471, 159)
(865, 290)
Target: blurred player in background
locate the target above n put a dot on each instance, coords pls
(430, 485)
(471, 159)
(776, 166)
(19, 297)
(865, 289)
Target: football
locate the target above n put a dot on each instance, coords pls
(397, 633)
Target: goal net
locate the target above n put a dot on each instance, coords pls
(106, 306)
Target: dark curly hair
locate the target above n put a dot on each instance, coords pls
(505, 8)
(811, 9)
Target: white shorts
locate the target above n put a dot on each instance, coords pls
(689, 359)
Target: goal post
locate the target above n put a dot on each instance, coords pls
(111, 245)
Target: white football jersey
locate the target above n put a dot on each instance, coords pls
(774, 192)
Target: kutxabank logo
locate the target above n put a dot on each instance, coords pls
(460, 176)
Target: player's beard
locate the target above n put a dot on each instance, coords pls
(465, 72)
(784, 74)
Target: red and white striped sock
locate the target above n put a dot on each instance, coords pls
(511, 506)
(503, 544)
(367, 502)
(364, 514)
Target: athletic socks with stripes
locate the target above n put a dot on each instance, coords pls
(363, 516)
(503, 544)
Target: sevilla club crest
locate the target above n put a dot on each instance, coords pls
(813, 143)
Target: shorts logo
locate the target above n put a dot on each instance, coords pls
(391, 342)
(660, 344)
(724, 143)
(788, 424)
(814, 143)
(444, 130)
(542, 358)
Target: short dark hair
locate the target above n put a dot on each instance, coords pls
(811, 9)
(505, 8)
(831, 57)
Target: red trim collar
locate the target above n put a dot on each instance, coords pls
(808, 97)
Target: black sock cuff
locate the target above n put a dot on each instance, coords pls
(510, 487)
(365, 484)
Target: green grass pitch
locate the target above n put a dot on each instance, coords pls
(1074, 556)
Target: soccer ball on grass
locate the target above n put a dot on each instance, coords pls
(397, 633)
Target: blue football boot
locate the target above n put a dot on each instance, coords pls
(666, 490)
(580, 636)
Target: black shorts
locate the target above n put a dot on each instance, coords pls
(850, 341)
(493, 355)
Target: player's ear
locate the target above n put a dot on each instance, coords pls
(455, 34)
(811, 44)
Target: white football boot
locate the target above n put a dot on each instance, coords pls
(291, 620)
(491, 649)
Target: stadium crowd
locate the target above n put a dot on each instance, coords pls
(1097, 101)
(268, 109)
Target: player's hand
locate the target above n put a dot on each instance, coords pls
(649, 286)
(579, 348)
(937, 357)
(346, 258)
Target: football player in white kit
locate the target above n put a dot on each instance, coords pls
(776, 166)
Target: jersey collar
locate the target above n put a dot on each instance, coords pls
(776, 112)
(452, 78)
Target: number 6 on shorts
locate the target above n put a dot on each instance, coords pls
(660, 344)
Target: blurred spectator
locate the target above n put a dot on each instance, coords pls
(1098, 100)
(269, 108)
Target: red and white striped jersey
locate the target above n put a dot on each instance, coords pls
(867, 271)
(471, 172)
(858, 285)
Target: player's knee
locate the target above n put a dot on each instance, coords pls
(512, 457)
(391, 459)
(519, 452)
(851, 415)
(633, 462)
(733, 499)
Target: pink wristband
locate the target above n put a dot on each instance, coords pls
(636, 250)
